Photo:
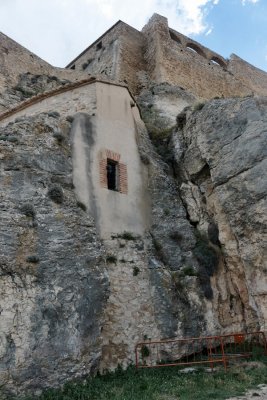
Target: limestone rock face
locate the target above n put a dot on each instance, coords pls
(70, 303)
(53, 286)
(222, 170)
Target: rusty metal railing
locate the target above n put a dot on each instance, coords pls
(211, 350)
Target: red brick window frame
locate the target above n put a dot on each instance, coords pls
(122, 179)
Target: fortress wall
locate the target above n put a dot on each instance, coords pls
(132, 62)
(196, 74)
(154, 31)
(16, 60)
(253, 77)
(79, 99)
(118, 55)
(191, 68)
(101, 60)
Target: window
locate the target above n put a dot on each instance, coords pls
(99, 46)
(218, 61)
(112, 175)
(73, 66)
(112, 172)
(193, 47)
(174, 37)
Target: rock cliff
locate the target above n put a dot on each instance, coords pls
(73, 302)
(54, 285)
(221, 168)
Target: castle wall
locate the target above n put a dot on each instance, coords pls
(22, 71)
(118, 55)
(159, 54)
(15, 59)
(132, 62)
(249, 75)
(178, 60)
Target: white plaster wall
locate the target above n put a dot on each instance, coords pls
(112, 128)
(115, 124)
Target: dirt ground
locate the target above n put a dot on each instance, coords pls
(259, 393)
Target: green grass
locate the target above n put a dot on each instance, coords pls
(127, 236)
(163, 384)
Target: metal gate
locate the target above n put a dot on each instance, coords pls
(209, 350)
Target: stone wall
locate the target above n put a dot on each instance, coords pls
(249, 75)
(159, 55)
(23, 74)
(178, 60)
(117, 55)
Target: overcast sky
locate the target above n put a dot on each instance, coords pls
(58, 30)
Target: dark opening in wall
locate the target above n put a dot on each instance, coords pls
(73, 66)
(174, 37)
(112, 175)
(218, 61)
(193, 47)
(99, 46)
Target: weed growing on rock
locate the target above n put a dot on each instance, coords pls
(213, 233)
(189, 271)
(176, 236)
(145, 351)
(28, 210)
(198, 106)
(127, 236)
(179, 287)
(53, 114)
(204, 281)
(208, 260)
(11, 139)
(32, 259)
(59, 137)
(205, 254)
(136, 271)
(181, 120)
(145, 159)
(166, 212)
(56, 194)
(69, 118)
(81, 205)
(111, 259)
(159, 250)
(160, 140)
